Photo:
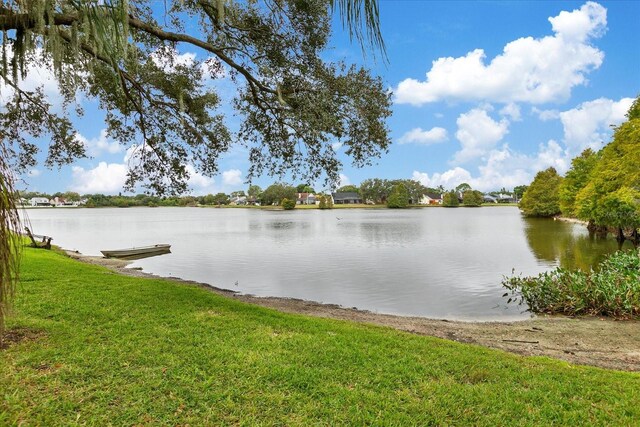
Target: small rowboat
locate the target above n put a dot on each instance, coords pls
(137, 253)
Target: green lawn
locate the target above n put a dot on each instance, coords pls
(117, 350)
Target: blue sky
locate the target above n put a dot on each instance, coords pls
(486, 93)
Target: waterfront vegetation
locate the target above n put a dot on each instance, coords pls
(102, 348)
(601, 188)
(612, 289)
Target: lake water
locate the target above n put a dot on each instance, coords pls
(432, 262)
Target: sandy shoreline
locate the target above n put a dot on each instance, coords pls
(587, 341)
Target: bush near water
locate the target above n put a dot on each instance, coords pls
(613, 289)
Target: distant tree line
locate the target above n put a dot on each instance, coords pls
(602, 188)
(396, 193)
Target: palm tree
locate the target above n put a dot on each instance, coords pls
(362, 19)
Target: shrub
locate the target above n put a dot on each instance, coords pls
(326, 202)
(288, 204)
(473, 198)
(399, 197)
(450, 200)
(611, 290)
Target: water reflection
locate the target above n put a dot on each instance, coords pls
(567, 244)
(389, 232)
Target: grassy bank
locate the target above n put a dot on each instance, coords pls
(108, 349)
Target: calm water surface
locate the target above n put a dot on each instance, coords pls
(433, 262)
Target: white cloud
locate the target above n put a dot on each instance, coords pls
(478, 133)
(528, 70)
(344, 180)
(105, 178)
(552, 154)
(579, 25)
(34, 173)
(197, 181)
(108, 178)
(232, 177)
(589, 125)
(512, 111)
(424, 137)
(96, 146)
(546, 115)
(503, 168)
(336, 146)
(449, 179)
(167, 58)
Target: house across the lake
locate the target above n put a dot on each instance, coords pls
(346, 198)
(431, 199)
(40, 201)
(488, 198)
(59, 202)
(306, 199)
(238, 200)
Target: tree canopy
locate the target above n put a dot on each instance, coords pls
(461, 188)
(450, 199)
(378, 190)
(611, 197)
(348, 189)
(519, 190)
(375, 190)
(399, 197)
(541, 197)
(602, 188)
(472, 198)
(275, 193)
(254, 191)
(305, 188)
(126, 54)
(575, 180)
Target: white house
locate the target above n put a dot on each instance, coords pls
(59, 201)
(40, 201)
(431, 199)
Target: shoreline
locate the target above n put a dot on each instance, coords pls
(593, 341)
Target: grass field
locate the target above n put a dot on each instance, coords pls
(102, 349)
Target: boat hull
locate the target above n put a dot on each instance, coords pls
(139, 252)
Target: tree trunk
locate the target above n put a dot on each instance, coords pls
(635, 238)
(620, 236)
(601, 231)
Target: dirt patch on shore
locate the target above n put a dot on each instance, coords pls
(591, 341)
(14, 336)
